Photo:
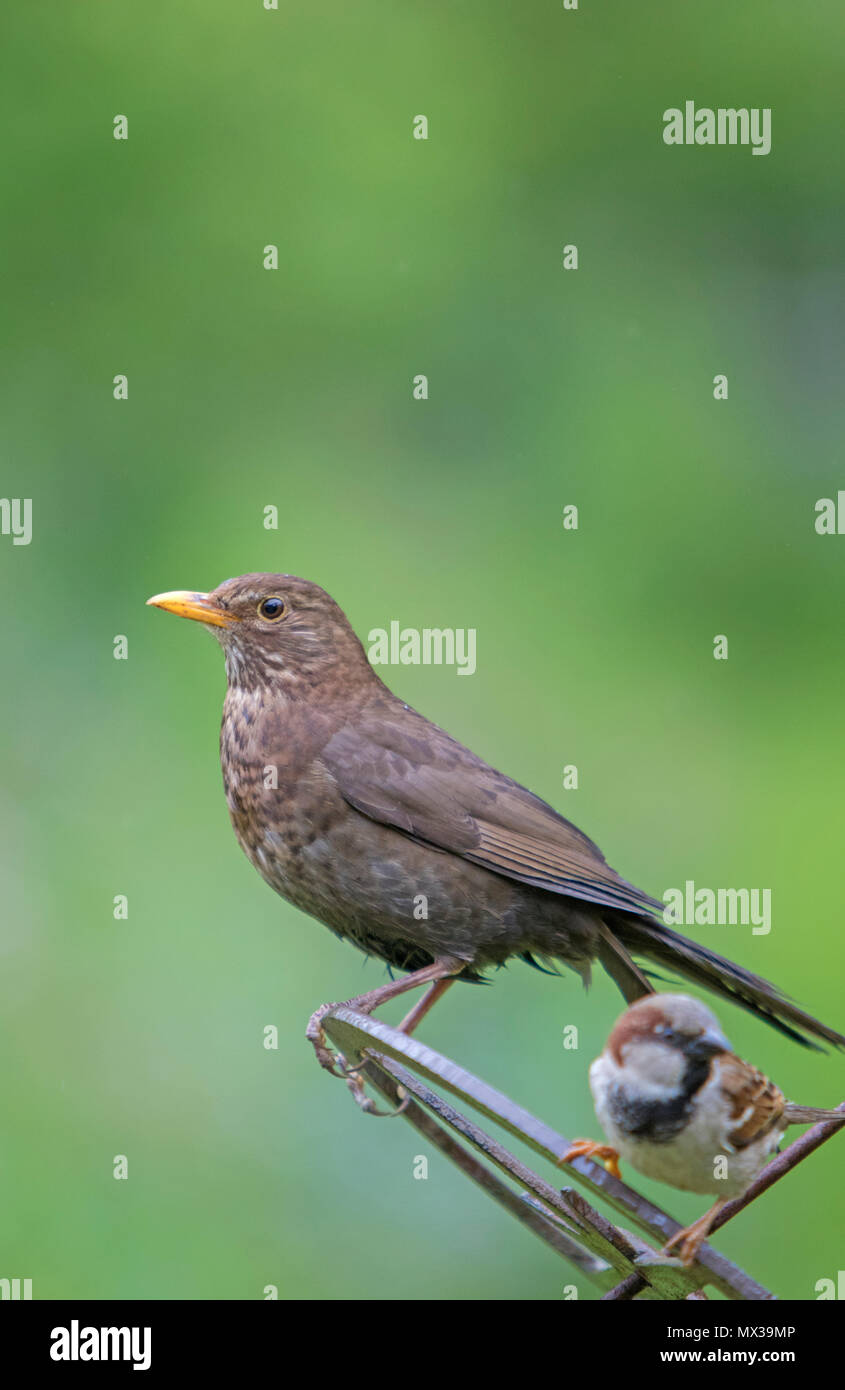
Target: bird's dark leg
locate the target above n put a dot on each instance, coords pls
(439, 974)
(421, 1008)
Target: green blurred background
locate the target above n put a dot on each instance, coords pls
(249, 388)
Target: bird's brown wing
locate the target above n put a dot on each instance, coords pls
(398, 769)
(756, 1103)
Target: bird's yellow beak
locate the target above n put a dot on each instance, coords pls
(186, 604)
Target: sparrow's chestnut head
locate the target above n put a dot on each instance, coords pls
(659, 1037)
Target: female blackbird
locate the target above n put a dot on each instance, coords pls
(362, 813)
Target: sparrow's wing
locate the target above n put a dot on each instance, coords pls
(407, 773)
(756, 1103)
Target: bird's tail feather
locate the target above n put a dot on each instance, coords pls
(809, 1114)
(704, 967)
(619, 966)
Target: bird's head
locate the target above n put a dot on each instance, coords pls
(661, 1035)
(274, 629)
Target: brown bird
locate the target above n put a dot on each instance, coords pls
(680, 1106)
(368, 817)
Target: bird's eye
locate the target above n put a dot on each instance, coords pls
(271, 609)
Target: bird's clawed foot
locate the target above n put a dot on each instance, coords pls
(438, 976)
(320, 1043)
(336, 1064)
(588, 1148)
(355, 1082)
(691, 1238)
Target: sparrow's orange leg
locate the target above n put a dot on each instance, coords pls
(588, 1148)
(693, 1237)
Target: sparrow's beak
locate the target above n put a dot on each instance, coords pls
(714, 1040)
(201, 607)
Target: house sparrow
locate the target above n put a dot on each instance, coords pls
(678, 1105)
